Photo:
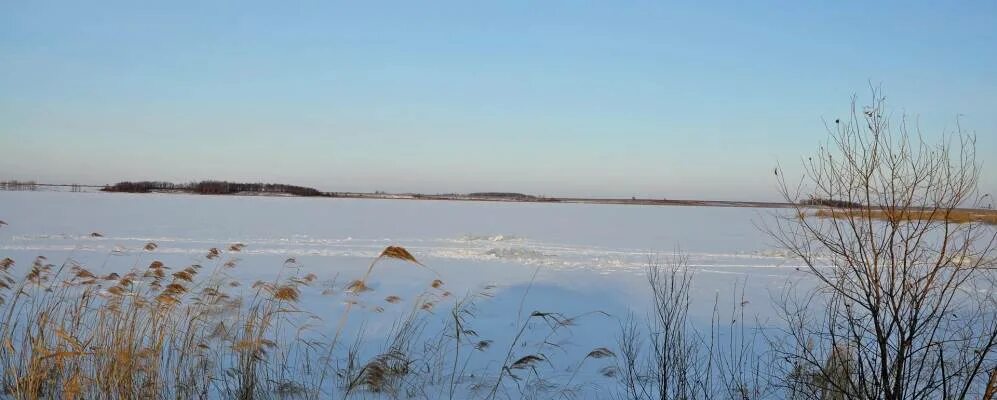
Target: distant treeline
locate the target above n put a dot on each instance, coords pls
(830, 203)
(18, 185)
(502, 195)
(211, 187)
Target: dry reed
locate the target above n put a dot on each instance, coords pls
(959, 216)
(165, 331)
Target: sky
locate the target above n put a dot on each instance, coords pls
(651, 99)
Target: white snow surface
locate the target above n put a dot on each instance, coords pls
(567, 258)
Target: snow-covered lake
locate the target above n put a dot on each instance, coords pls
(568, 258)
(583, 247)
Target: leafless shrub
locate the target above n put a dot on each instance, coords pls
(672, 341)
(670, 359)
(904, 308)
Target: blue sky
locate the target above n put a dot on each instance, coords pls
(559, 98)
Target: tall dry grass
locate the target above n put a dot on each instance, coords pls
(158, 331)
(959, 216)
(151, 332)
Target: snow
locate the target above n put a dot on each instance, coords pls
(575, 259)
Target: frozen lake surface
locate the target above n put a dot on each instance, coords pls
(576, 246)
(568, 258)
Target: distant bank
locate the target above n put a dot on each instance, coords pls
(224, 188)
(273, 189)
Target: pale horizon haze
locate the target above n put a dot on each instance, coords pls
(647, 99)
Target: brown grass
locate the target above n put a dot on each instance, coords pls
(991, 386)
(959, 216)
(176, 332)
(287, 293)
(63, 336)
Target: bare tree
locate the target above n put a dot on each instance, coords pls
(904, 307)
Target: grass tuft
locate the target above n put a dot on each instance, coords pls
(958, 216)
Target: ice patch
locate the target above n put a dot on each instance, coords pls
(519, 254)
(488, 238)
